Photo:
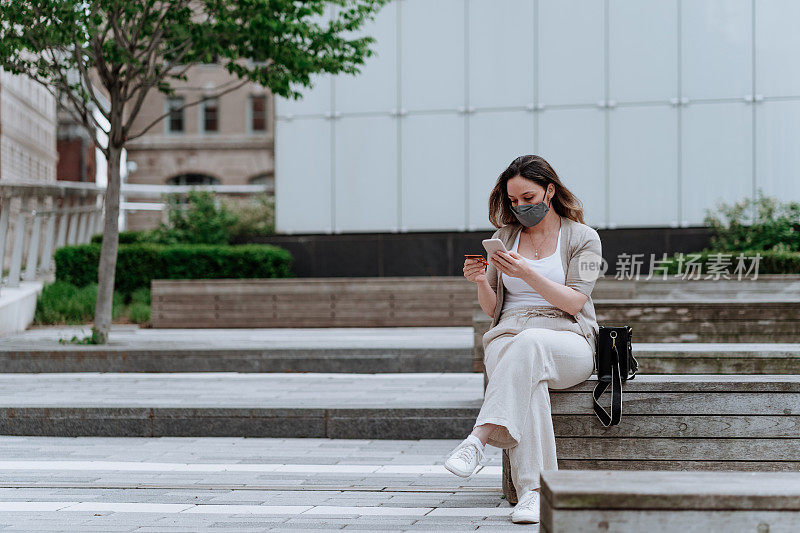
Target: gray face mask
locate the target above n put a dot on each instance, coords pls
(531, 214)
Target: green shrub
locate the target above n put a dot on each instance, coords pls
(255, 216)
(761, 224)
(125, 237)
(207, 219)
(64, 303)
(77, 264)
(202, 220)
(138, 264)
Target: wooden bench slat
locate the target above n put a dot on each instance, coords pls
(681, 465)
(680, 426)
(678, 449)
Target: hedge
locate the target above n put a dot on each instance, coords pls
(125, 237)
(771, 261)
(139, 263)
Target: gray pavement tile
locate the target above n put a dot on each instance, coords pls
(200, 521)
(56, 528)
(304, 528)
(232, 450)
(424, 526)
(252, 522)
(162, 528)
(317, 521)
(375, 527)
(528, 528)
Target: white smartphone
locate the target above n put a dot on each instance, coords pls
(492, 246)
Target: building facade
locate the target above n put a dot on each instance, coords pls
(227, 141)
(27, 145)
(77, 158)
(27, 130)
(651, 111)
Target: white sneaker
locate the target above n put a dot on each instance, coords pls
(527, 508)
(466, 457)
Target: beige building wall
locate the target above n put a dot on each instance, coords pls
(27, 142)
(233, 155)
(27, 130)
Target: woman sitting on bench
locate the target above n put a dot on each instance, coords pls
(544, 328)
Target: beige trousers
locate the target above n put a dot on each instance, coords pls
(529, 351)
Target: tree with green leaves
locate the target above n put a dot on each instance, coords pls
(105, 56)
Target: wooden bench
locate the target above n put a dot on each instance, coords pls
(447, 301)
(753, 320)
(766, 286)
(686, 502)
(680, 422)
(323, 302)
(312, 302)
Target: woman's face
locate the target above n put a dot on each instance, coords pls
(522, 191)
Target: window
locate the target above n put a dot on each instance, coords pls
(210, 115)
(258, 113)
(175, 119)
(193, 179)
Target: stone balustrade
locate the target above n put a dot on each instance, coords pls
(37, 218)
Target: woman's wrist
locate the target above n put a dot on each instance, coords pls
(530, 276)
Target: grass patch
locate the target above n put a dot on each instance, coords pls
(64, 303)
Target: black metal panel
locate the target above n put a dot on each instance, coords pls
(442, 253)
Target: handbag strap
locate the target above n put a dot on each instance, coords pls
(616, 395)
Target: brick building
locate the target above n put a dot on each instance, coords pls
(227, 141)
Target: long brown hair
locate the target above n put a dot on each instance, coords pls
(539, 171)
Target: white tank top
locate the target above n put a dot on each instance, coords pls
(519, 293)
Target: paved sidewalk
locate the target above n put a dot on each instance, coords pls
(234, 484)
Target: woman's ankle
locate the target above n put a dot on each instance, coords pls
(482, 434)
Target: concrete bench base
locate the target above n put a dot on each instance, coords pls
(680, 422)
(582, 500)
(17, 306)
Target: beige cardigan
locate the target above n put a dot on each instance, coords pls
(575, 238)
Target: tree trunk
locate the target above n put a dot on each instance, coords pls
(106, 269)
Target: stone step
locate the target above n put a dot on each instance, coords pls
(629, 502)
(701, 422)
(717, 358)
(755, 320)
(336, 405)
(710, 358)
(197, 359)
(347, 350)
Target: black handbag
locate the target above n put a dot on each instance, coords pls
(615, 365)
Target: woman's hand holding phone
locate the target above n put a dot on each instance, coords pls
(508, 262)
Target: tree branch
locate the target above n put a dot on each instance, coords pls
(87, 82)
(79, 115)
(62, 83)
